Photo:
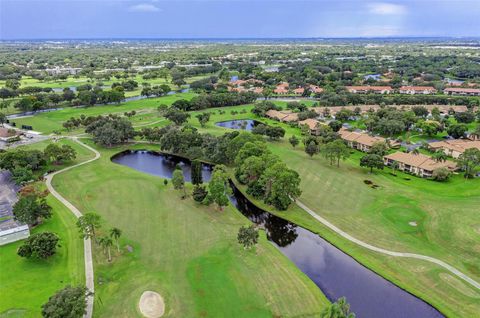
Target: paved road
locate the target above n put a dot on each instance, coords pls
(387, 252)
(87, 244)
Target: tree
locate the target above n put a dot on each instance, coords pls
(339, 309)
(176, 116)
(69, 302)
(248, 236)
(199, 193)
(469, 160)
(441, 174)
(88, 223)
(21, 175)
(281, 185)
(111, 130)
(3, 119)
(39, 245)
(13, 84)
(294, 141)
(31, 209)
(394, 166)
(196, 172)
(312, 148)
(335, 125)
(379, 148)
(439, 156)
(430, 127)
(465, 117)
(115, 233)
(274, 133)
(335, 151)
(178, 181)
(457, 130)
(59, 154)
(372, 161)
(106, 242)
(218, 187)
(203, 118)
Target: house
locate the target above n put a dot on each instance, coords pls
(8, 135)
(359, 140)
(462, 91)
(369, 89)
(417, 164)
(454, 147)
(412, 90)
(316, 89)
(313, 125)
(284, 116)
(299, 91)
(281, 89)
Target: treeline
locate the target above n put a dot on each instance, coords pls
(343, 98)
(26, 165)
(215, 99)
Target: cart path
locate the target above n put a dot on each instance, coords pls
(87, 244)
(347, 236)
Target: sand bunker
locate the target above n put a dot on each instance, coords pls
(151, 305)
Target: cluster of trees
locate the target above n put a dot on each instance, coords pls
(127, 85)
(157, 90)
(89, 225)
(341, 98)
(272, 132)
(215, 99)
(110, 130)
(69, 302)
(39, 245)
(266, 176)
(25, 164)
(32, 208)
(86, 95)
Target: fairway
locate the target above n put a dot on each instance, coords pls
(446, 215)
(185, 251)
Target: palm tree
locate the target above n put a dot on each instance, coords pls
(106, 242)
(116, 233)
(395, 165)
(415, 151)
(439, 156)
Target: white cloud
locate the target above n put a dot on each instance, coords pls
(383, 8)
(144, 7)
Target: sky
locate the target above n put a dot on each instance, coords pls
(70, 19)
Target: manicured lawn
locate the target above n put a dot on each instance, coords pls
(52, 121)
(186, 251)
(446, 215)
(27, 284)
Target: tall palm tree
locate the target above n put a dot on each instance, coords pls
(116, 233)
(439, 156)
(106, 242)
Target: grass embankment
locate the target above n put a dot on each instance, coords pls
(446, 215)
(26, 284)
(185, 251)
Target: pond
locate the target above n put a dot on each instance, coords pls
(334, 272)
(243, 124)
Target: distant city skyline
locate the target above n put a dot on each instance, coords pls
(236, 19)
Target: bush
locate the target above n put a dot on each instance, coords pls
(39, 245)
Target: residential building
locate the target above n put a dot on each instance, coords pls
(417, 164)
(454, 147)
(7, 135)
(369, 89)
(281, 89)
(284, 116)
(359, 140)
(412, 90)
(462, 91)
(313, 125)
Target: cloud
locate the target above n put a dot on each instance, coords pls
(383, 8)
(144, 7)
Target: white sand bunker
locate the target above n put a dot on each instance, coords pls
(151, 305)
(413, 223)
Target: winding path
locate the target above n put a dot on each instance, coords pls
(87, 244)
(387, 252)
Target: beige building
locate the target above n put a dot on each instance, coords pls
(412, 90)
(417, 164)
(359, 140)
(462, 91)
(369, 89)
(454, 148)
(284, 116)
(313, 125)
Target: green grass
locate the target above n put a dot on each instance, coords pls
(185, 251)
(448, 222)
(52, 121)
(27, 284)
